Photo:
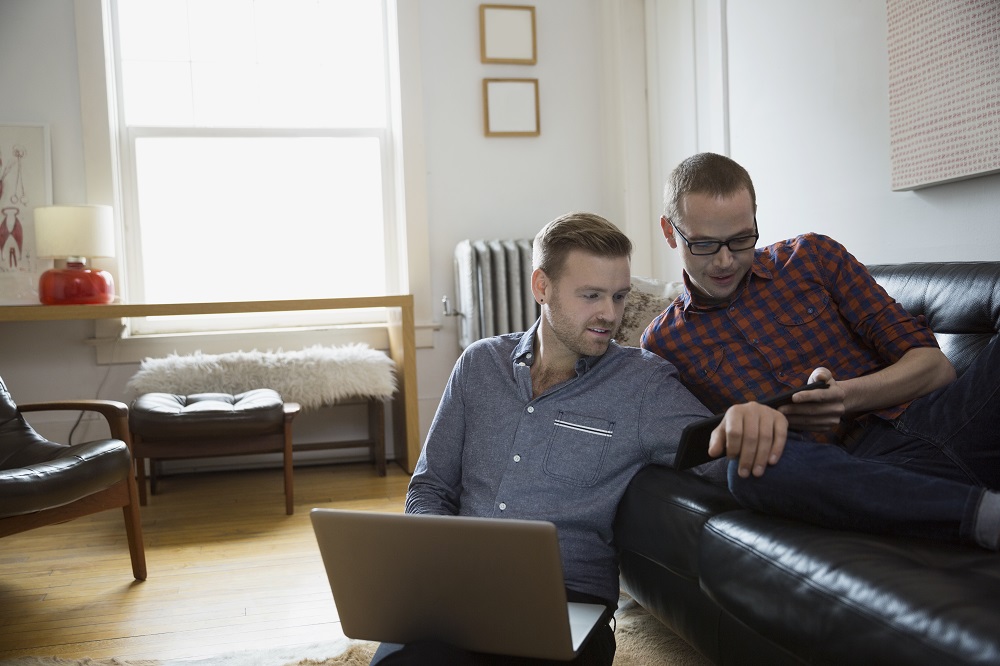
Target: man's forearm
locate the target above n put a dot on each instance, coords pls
(920, 371)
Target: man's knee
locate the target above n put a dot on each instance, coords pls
(746, 491)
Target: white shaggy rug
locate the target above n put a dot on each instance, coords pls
(313, 377)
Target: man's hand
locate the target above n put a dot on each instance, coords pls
(819, 409)
(751, 433)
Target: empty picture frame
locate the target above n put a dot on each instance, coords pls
(510, 107)
(507, 34)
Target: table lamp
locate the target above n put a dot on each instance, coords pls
(75, 233)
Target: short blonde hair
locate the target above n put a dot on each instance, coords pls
(576, 231)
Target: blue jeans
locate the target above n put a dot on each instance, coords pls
(920, 475)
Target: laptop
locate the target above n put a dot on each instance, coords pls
(693, 448)
(482, 584)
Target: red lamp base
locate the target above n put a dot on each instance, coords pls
(75, 285)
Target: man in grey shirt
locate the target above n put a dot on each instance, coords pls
(553, 423)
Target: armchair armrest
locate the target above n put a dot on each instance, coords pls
(113, 411)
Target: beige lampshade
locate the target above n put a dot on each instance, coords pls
(74, 231)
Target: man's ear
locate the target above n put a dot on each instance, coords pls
(540, 285)
(668, 232)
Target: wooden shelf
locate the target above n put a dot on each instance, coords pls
(400, 326)
(119, 310)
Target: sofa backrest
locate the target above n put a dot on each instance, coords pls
(960, 301)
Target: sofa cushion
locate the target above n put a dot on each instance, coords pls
(843, 597)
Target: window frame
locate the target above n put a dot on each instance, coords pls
(406, 197)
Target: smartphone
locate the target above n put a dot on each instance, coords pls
(786, 397)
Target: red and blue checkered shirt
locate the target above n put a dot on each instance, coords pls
(805, 303)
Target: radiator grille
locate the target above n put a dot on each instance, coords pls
(493, 288)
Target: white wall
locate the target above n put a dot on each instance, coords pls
(808, 117)
(490, 187)
(39, 84)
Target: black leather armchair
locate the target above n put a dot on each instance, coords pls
(43, 482)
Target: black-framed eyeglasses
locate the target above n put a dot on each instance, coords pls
(705, 248)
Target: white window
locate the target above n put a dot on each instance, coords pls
(255, 152)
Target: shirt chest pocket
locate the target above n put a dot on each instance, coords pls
(804, 309)
(577, 448)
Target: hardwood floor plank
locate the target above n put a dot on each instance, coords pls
(228, 570)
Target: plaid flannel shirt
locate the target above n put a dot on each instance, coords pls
(806, 302)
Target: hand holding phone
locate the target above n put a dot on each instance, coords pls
(693, 447)
(786, 397)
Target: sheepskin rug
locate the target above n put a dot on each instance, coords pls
(313, 377)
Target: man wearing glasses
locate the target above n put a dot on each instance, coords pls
(885, 446)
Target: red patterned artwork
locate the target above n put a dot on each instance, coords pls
(944, 90)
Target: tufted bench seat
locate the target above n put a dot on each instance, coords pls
(168, 426)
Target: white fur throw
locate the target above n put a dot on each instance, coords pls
(312, 377)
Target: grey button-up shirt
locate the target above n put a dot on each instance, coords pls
(566, 456)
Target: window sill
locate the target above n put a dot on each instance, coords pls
(133, 349)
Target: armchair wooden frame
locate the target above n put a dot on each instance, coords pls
(122, 494)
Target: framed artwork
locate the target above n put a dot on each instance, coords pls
(25, 182)
(507, 34)
(944, 93)
(510, 107)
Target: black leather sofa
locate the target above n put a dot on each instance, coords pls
(746, 588)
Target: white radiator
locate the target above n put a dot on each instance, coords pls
(493, 288)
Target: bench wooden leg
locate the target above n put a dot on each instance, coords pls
(154, 474)
(376, 432)
(140, 473)
(288, 463)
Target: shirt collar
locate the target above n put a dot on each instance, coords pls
(689, 299)
(524, 352)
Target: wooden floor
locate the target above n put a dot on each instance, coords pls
(228, 570)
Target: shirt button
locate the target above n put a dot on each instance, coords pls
(517, 458)
(503, 506)
(531, 410)
(528, 355)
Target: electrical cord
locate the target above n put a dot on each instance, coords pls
(107, 373)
